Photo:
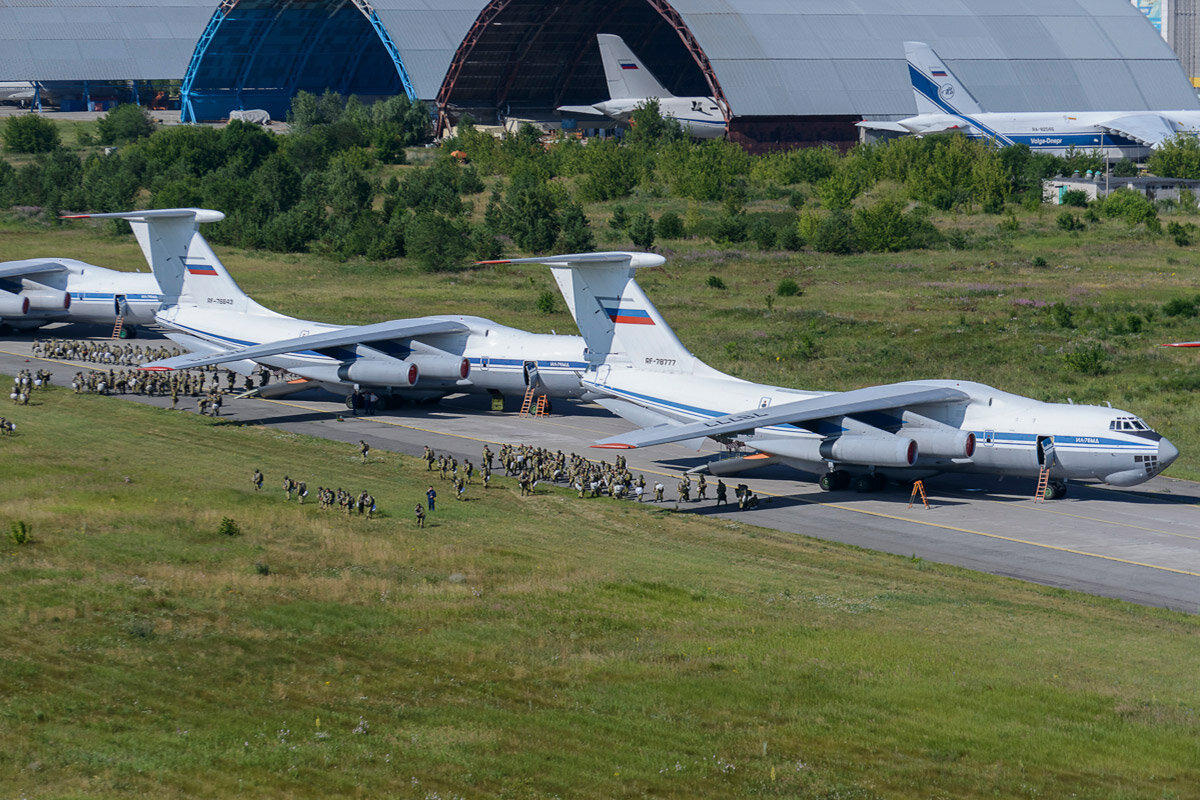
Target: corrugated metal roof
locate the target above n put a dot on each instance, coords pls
(76, 40)
(1017, 55)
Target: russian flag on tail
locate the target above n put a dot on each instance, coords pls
(629, 316)
(200, 268)
(628, 65)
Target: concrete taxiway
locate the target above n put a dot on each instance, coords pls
(1141, 544)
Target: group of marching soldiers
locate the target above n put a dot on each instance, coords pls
(362, 504)
(108, 353)
(26, 382)
(460, 475)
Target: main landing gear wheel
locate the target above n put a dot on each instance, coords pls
(835, 481)
(1055, 490)
(869, 483)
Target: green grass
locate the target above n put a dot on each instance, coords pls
(524, 647)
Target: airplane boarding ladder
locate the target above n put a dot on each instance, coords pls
(1043, 481)
(529, 407)
(118, 327)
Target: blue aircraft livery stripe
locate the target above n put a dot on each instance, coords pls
(932, 93)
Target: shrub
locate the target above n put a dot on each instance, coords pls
(126, 123)
(714, 282)
(670, 226)
(1076, 198)
(1069, 222)
(228, 527)
(30, 133)
(1129, 205)
(546, 303)
(437, 243)
(835, 234)
(789, 238)
(262, 568)
(19, 532)
(730, 228)
(619, 220)
(787, 288)
(762, 232)
(1087, 359)
(1062, 315)
(575, 233)
(1182, 306)
(1182, 234)
(1038, 261)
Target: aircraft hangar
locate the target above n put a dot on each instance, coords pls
(785, 71)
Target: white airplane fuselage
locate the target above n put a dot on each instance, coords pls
(1010, 432)
(502, 359)
(96, 295)
(1055, 134)
(700, 117)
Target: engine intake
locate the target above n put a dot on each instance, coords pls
(442, 368)
(47, 299)
(380, 373)
(13, 305)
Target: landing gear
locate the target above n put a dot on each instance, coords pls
(835, 481)
(869, 483)
(1055, 490)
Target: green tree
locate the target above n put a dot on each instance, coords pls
(1178, 157)
(30, 133)
(670, 226)
(124, 124)
(835, 233)
(641, 230)
(575, 235)
(436, 242)
(648, 126)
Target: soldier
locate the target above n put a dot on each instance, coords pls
(257, 480)
(429, 457)
(487, 475)
(658, 492)
(701, 488)
(685, 489)
(722, 494)
(301, 491)
(370, 506)
(460, 489)
(289, 486)
(364, 448)
(420, 516)
(469, 469)
(431, 498)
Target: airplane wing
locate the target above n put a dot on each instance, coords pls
(357, 334)
(32, 266)
(591, 111)
(858, 401)
(1147, 129)
(881, 125)
(1182, 344)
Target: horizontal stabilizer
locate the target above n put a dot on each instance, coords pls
(881, 125)
(590, 111)
(1182, 344)
(616, 258)
(858, 401)
(198, 214)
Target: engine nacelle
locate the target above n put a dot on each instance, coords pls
(47, 299)
(372, 372)
(943, 443)
(882, 450)
(442, 368)
(875, 451)
(13, 305)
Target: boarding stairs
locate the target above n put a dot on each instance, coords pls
(1043, 483)
(534, 404)
(118, 327)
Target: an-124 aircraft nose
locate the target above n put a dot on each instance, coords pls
(1167, 453)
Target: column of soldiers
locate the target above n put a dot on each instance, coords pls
(108, 353)
(362, 504)
(26, 382)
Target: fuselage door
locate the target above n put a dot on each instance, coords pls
(1045, 451)
(119, 306)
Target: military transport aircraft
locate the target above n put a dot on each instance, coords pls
(639, 370)
(944, 104)
(420, 358)
(631, 85)
(38, 291)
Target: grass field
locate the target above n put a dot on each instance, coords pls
(524, 647)
(982, 313)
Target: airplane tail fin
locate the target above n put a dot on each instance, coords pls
(936, 88)
(626, 74)
(619, 324)
(188, 271)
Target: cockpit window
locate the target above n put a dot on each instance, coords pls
(1128, 424)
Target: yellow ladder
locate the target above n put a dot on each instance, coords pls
(117, 327)
(1043, 482)
(526, 403)
(918, 491)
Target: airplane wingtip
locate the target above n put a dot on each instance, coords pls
(615, 446)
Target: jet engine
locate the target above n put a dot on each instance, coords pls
(882, 450)
(13, 305)
(442, 368)
(378, 372)
(47, 299)
(949, 443)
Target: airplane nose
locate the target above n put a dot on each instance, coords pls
(1167, 453)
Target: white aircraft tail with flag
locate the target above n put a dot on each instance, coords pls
(937, 89)
(627, 76)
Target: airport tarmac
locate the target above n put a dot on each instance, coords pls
(1140, 544)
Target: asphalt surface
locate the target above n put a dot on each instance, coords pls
(1140, 545)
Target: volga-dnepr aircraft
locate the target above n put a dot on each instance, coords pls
(944, 104)
(631, 85)
(419, 358)
(638, 369)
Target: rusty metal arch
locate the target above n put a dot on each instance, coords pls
(496, 8)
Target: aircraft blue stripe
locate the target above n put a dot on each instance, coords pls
(930, 91)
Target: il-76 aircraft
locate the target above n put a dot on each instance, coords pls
(631, 85)
(419, 358)
(639, 370)
(944, 104)
(39, 291)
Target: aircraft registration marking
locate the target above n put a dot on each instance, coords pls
(661, 362)
(221, 301)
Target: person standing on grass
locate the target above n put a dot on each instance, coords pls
(257, 480)
(364, 448)
(420, 516)
(431, 498)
